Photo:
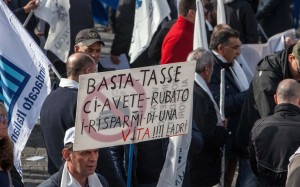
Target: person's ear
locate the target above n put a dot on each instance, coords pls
(76, 48)
(192, 13)
(89, 70)
(66, 154)
(220, 48)
(275, 99)
(207, 70)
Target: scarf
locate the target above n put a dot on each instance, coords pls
(200, 81)
(67, 180)
(237, 72)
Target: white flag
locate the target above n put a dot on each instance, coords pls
(56, 13)
(173, 171)
(148, 15)
(200, 39)
(221, 16)
(24, 79)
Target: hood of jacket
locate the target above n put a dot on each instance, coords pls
(277, 63)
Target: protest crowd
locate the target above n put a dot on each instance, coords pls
(200, 93)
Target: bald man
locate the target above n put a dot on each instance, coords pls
(59, 108)
(275, 138)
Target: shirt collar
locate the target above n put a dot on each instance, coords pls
(67, 83)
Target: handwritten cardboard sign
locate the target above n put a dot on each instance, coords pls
(134, 105)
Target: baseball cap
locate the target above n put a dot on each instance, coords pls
(88, 37)
(69, 136)
(296, 51)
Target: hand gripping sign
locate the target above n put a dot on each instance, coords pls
(134, 105)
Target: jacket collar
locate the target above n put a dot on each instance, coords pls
(287, 107)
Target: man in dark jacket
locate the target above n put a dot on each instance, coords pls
(225, 45)
(240, 16)
(275, 138)
(79, 167)
(22, 8)
(205, 165)
(259, 102)
(274, 16)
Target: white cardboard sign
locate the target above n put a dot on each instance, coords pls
(133, 105)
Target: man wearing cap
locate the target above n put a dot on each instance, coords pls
(275, 138)
(259, 102)
(79, 167)
(89, 41)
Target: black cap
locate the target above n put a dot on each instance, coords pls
(88, 37)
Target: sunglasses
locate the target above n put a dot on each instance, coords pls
(2, 118)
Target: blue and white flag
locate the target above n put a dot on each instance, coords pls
(148, 15)
(24, 79)
(56, 13)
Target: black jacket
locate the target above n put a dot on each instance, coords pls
(205, 165)
(240, 16)
(55, 180)
(234, 100)
(259, 102)
(274, 139)
(148, 160)
(123, 28)
(17, 7)
(274, 16)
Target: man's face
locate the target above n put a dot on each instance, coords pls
(294, 67)
(83, 163)
(231, 50)
(93, 50)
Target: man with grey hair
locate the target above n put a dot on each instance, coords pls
(205, 169)
(275, 138)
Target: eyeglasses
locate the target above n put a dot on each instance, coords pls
(2, 118)
(234, 47)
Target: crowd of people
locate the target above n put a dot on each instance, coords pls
(261, 115)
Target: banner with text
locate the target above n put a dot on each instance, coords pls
(24, 79)
(135, 105)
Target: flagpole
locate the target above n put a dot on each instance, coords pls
(222, 112)
(262, 31)
(28, 18)
(130, 165)
(55, 71)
